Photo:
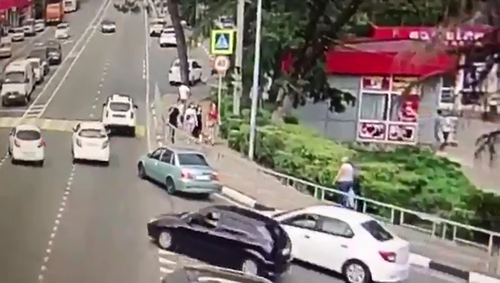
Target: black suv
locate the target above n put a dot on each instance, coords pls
(226, 236)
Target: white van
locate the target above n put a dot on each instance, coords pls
(18, 83)
(38, 68)
(5, 47)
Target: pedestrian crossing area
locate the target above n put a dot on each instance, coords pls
(58, 125)
(169, 261)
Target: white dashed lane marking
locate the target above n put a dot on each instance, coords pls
(101, 84)
(57, 222)
(169, 261)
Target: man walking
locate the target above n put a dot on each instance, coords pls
(173, 121)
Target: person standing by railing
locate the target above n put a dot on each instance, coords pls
(344, 182)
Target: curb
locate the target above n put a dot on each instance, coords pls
(415, 259)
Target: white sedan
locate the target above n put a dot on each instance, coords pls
(26, 144)
(195, 72)
(347, 242)
(39, 25)
(90, 142)
(18, 35)
(62, 31)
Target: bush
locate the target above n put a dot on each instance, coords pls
(407, 176)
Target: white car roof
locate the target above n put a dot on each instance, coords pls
(27, 127)
(91, 125)
(338, 212)
(63, 25)
(190, 61)
(119, 98)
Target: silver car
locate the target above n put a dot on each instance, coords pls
(39, 25)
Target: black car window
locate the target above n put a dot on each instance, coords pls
(167, 156)
(336, 227)
(156, 154)
(377, 231)
(196, 65)
(192, 159)
(28, 135)
(236, 224)
(306, 221)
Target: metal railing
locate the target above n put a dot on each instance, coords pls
(427, 223)
(433, 225)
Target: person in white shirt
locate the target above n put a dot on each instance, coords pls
(184, 93)
(446, 127)
(344, 182)
(190, 119)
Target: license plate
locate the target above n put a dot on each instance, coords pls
(203, 177)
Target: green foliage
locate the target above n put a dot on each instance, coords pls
(407, 176)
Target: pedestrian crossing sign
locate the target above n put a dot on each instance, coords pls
(222, 42)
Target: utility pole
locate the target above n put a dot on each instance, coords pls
(255, 87)
(240, 28)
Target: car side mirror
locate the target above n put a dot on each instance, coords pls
(108, 131)
(149, 155)
(26, 80)
(135, 106)
(104, 104)
(74, 129)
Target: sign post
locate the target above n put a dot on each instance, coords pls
(221, 65)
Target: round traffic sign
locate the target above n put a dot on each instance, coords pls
(221, 64)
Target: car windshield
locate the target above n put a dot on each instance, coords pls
(177, 63)
(28, 135)
(377, 231)
(169, 31)
(29, 22)
(158, 22)
(35, 64)
(14, 78)
(52, 49)
(107, 22)
(62, 26)
(18, 30)
(39, 22)
(119, 106)
(192, 159)
(92, 133)
(4, 45)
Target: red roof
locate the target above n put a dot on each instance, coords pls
(389, 57)
(7, 4)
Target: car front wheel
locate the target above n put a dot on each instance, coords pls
(141, 171)
(166, 240)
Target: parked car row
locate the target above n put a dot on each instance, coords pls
(20, 76)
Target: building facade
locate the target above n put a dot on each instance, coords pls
(13, 12)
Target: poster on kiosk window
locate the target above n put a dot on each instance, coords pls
(385, 115)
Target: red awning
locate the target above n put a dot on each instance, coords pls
(7, 4)
(389, 57)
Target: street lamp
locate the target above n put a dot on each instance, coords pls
(255, 86)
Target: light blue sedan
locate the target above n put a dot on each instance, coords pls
(179, 170)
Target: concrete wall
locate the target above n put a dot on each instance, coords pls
(338, 126)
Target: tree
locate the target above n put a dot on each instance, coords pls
(182, 48)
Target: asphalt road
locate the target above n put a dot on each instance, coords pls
(83, 223)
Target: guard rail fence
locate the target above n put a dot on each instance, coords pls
(435, 226)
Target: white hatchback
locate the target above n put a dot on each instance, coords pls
(18, 34)
(119, 112)
(39, 25)
(195, 72)
(62, 31)
(347, 242)
(26, 144)
(90, 142)
(167, 37)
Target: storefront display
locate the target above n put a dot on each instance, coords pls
(385, 115)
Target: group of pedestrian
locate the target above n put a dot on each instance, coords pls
(190, 118)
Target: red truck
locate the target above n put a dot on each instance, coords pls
(54, 12)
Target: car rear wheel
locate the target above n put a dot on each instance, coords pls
(170, 186)
(356, 272)
(141, 171)
(166, 240)
(249, 266)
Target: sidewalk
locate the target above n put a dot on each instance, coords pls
(242, 177)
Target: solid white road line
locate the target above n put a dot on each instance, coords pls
(146, 76)
(91, 27)
(166, 261)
